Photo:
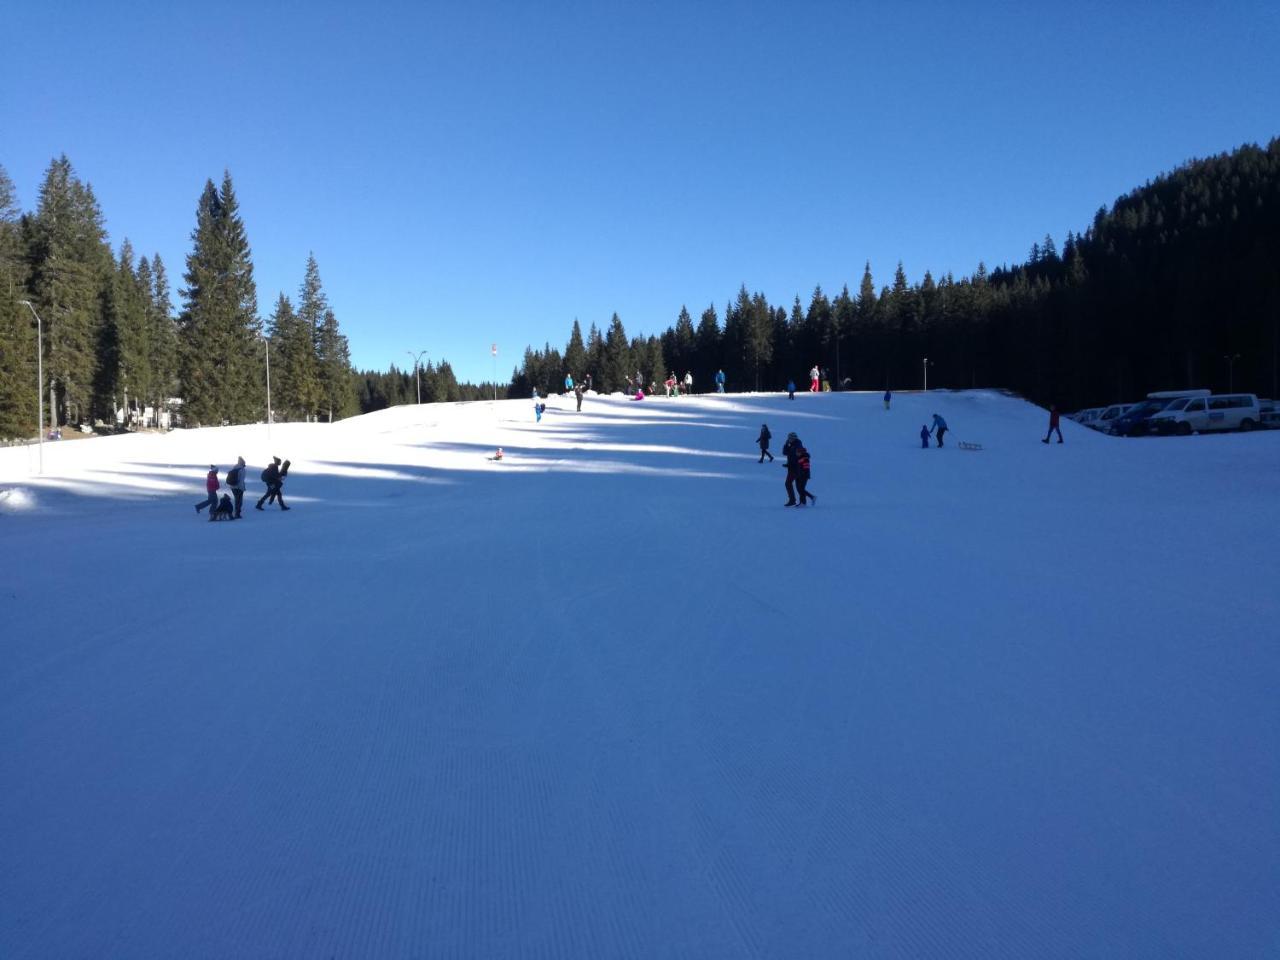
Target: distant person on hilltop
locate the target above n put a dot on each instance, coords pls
(688, 383)
(813, 379)
(211, 488)
(763, 440)
(578, 392)
(568, 383)
(791, 389)
(1053, 424)
(887, 397)
(719, 381)
(939, 428)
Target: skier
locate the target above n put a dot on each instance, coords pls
(1053, 424)
(791, 389)
(211, 488)
(924, 437)
(763, 440)
(887, 397)
(719, 381)
(235, 481)
(813, 379)
(939, 428)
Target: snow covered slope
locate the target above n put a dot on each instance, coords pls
(608, 698)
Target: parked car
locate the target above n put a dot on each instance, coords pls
(1136, 421)
(1108, 416)
(1268, 415)
(1224, 411)
(1085, 417)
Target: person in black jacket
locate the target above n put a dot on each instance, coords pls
(801, 457)
(788, 449)
(763, 440)
(273, 477)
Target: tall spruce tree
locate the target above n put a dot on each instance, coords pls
(337, 393)
(575, 354)
(312, 305)
(219, 324)
(70, 268)
(18, 385)
(164, 340)
(619, 365)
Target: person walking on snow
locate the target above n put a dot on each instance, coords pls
(1053, 424)
(924, 437)
(939, 428)
(271, 477)
(801, 456)
(211, 488)
(887, 397)
(568, 383)
(788, 449)
(577, 392)
(235, 480)
(791, 389)
(688, 383)
(719, 381)
(763, 440)
(813, 379)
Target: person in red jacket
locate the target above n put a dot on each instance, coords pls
(1053, 425)
(211, 487)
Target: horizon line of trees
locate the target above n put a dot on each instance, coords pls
(114, 350)
(1177, 285)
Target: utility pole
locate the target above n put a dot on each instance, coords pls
(40, 383)
(417, 366)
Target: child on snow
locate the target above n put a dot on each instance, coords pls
(211, 488)
(924, 437)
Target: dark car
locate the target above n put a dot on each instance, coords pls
(1136, 422)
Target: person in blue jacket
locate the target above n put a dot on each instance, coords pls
(719, 381)
(939, 428)
(791, 389)
(568, 383)
(887, 397)
(924, 437)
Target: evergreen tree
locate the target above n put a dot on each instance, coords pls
(706, 358)
(575, 354)
(163, 339)
(220, 363)
(293, 374)
(18, 387)
(337, 396)
(619, 365)
(312, 306)
(70, 268)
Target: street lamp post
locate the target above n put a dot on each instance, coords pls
(1231, 370)
(926, 364)
(417, 366)
(39, 381)
(266, 343)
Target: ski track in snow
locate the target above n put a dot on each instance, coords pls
(607, 698)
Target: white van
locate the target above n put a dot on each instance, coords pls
(1224, 411)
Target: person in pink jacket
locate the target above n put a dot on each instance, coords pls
(211, 487)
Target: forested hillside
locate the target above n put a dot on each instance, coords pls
(1177, 284)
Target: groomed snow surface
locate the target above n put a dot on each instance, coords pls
(608, 698)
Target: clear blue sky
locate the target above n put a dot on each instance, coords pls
(487, 172)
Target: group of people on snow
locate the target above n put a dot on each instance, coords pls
(224, 507)
(797, 464)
